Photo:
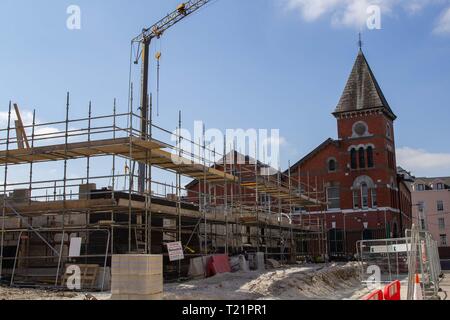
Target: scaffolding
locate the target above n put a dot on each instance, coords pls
(234, 208)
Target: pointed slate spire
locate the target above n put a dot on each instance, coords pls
(362, 91)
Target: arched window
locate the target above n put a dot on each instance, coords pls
(332, 165)
(356, 199)
(364, 189)
(374, 198)
(364, 195)
(353, 159)
(370, 162)
(362, 158)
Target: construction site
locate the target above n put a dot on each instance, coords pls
(112, 222)
(129, 212)
(118, 214)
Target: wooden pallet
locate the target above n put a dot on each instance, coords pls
(89, 273)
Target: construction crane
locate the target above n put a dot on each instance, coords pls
(144, 40)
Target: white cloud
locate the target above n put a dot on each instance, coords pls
(443, 23)
(415, 6)
(423, 163)
(352, 13)
(313, 9)
(44, 134)
(274, 141)
(27, 118)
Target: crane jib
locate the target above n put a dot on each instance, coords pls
(182, 11)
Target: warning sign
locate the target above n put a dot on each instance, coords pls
(175, 250)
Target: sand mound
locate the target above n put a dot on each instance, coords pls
(337, 281)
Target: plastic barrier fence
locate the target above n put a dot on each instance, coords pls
(392, 291)
(376, 295)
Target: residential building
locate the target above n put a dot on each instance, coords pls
(431, 209)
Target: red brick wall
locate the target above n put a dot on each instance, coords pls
(390, 200)
(394, 203)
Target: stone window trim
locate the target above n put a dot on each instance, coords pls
(360, 197)
(419, 186)
(438, 185)
(362, 127)
(359, 157)
(363, 179)
(389, 132)
(364, 146)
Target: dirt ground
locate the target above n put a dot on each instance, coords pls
(333, 282)
(306, 282)
(7, 293)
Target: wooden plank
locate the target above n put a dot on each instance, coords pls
(36, 208)
(20, 128)
(19, 135)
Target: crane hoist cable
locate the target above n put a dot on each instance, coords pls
(138, 51)
(145, 38)
(158, 66)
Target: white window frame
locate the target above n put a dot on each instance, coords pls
(356, 204)
(374, 196)
(362, 196)
(443, 240)
(338, 198)
(441, 223)
(440, 206)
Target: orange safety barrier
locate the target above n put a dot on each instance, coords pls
(376, 295)
(392, 291)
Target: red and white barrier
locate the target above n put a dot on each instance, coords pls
(376, 295)
(392, 291)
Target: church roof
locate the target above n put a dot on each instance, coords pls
(362, 91)
(323, 145)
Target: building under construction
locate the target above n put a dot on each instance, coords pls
(128, 210)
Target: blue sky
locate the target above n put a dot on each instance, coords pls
(239, 64)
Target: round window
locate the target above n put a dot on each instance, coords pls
(360, 129)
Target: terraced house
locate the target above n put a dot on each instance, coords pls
(431, 207)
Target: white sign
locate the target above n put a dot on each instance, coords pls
(175, 250)
(391, 248)
(75, 247)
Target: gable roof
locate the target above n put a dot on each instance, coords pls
(237, 157)
(313, 153)
(362, 91)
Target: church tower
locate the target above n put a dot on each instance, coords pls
(365, 123)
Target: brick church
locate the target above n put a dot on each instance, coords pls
(366, 197)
